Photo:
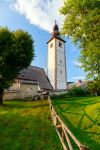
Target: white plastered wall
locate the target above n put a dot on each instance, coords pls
(51, 62)
(60, 71)
(61, 65)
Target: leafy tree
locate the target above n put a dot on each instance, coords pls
(16, 53)
(78, 91)
(82, 23)
(94, 87)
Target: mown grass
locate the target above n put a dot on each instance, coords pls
(82, 116)
(27, 126)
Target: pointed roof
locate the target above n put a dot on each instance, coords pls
(56, 33)
(55, 30)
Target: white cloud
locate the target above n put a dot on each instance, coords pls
(78, 78)
(77, 64)
(42, 13)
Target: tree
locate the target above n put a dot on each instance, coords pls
(16, 53)
(82, 23)
(94, 87)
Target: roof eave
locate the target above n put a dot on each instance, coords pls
(56, 38)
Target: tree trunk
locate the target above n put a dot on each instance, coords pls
(1, 96)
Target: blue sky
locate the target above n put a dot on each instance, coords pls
(17, 17)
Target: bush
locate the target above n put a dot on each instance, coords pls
(75, 91)
(94, 87)
(78, 91)
(58, 96)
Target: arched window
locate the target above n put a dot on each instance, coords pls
(60, 44)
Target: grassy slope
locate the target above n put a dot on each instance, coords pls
(82, 116)
(27, 126)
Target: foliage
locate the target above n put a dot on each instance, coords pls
(82, 116)
(75, 91)
(78, 91)
(82, 23)
(27, 126)
(94, 87)
(16, 53)
(58, 96)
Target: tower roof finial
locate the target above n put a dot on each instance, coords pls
(56, 30)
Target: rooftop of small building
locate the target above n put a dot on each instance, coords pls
(34, 73)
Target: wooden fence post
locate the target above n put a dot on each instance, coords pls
(68, 140)
(63, 135)
(56, 120)
(84, 147)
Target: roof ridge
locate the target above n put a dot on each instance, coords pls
(36, 67)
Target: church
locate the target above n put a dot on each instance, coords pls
(34, 79)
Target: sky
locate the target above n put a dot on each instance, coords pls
(37, 17)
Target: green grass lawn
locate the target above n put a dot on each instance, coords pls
(82, 116)
(27, 126)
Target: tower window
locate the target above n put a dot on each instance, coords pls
(61, 71)
(51, 45)
(60, 61)
(60, 44)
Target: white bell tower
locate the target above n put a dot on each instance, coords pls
(57, 60)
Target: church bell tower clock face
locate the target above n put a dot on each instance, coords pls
(57, 60)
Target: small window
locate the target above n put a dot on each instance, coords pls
(51, 45)
(60, 61)
(60, 44)
(61, 71)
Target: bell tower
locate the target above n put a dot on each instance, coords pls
(57, 60)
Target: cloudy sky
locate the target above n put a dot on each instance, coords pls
(38, 17)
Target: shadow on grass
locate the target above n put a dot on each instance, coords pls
(68, 107)
(84, 137)
(77, 101)
(18, 106)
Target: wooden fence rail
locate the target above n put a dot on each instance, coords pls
(64, 132)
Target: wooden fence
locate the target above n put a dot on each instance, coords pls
(64, 132)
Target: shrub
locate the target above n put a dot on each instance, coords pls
(94, 87)
(58, 96)
(78, 91)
